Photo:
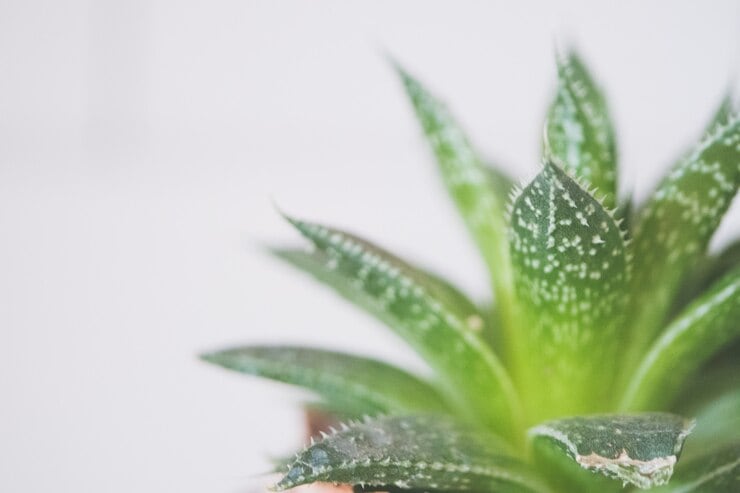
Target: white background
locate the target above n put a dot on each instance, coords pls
(143, 142)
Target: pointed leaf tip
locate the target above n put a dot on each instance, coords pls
(578, 130)
(479, 194)
(345, 381)
(571, 271)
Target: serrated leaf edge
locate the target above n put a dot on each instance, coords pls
(495, 473)
(550, 160)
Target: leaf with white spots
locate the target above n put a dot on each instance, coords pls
(350, 382)
(717, 471)
(704, 327)
(675, 225)
(579, 133)
(412, 453)
(571, 276)
(422, 313)
(315, 263)
(639, 449)
(479, 192)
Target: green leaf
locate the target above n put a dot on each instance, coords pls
(718, 421)
(639, 449)
(703, 328)
(579, 132)
(350, 382)
(445, 335)
(479, 192)
(714, 472)
(571, 274)
(712, 395)
(315, 263)
(676, 224)
(722, 115)
(624, 214)
(413, 452)
(706, 272)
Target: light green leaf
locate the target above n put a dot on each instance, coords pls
(417, 309)
(675, 226)
(571, 274)
(703, 328)
(413, 452)
(354, 383)
(714, 472)
(479, 192)
(579, 132)
(639, 449)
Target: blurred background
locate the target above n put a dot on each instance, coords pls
(142, 144)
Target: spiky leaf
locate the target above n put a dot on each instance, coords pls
(471, 374)
(413, 452)
(676, 224)
(704, 327)
(639, 449)
(714, 472)
(479, 193)
(351, 382)
(579, 133)
(571, 273)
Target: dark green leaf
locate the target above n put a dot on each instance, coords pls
(579, 133)
(415, 452)
(714, 472)
(351, 382)
(571, 273)
(639, 449)
(479, 192)
(703, 328)
(674, 227)
(417, 309)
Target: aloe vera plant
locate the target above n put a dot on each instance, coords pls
(612, 328)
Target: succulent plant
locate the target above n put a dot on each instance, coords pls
(614, 332)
